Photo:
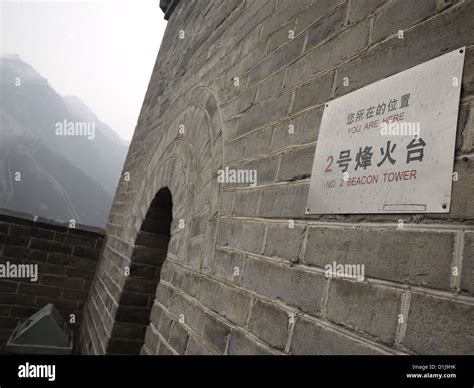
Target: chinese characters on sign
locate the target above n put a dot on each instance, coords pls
(389, 147)
(378, 110)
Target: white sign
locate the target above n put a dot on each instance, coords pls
(389, 147)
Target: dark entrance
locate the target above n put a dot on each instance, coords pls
(136, 301)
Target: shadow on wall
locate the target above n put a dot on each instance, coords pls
(136, 301)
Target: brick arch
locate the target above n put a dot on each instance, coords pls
(186, 147)
(151, 247)
(186, 164)
(173, 172)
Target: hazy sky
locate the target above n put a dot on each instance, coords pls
(102, 51)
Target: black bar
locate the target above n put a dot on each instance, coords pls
(317, 371)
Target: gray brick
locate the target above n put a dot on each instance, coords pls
(439, 326)
(327, 26)
(313, 92)
(468, 73)
(187, 281)
(364, 307)
(247, 236)
(216, 333)
(464, 138)
(329, 54)
(50, 246)
(178, 337)
(163, 294)
(35, 289)
(270, 87)
(230, 128)
(193, 315)
(311, 339)
(359, 9)
(216, 296)
(239, 344)
(9, 239)
(251, 42)
(165, 326)
(285, 12)
(297, 164)
(462, 207)
(305, 127)
(196, 348)
(155, 315)
(399, 15)
(199, 224)
(76, 240)
(256, 18)
(67, 260)
(290, 285)
(4, 227)
(225, 263)
(26, 253)
(166, 273)
(164, 351)
(315, 12)
(239, 104)
(405, 256)
(59, 281)
(266, 170)
(264, 114)
(194, 252)
(395, 55)
(287, 201)
(234, 151)
(270, 324)
(227, 201)
(228, 89)
(467, 275)
(151, 340)
(284, 242)
(282, 36)
(258, 143)
(31, 231)
(80, 251)
(14, 299)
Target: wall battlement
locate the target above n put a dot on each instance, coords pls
(65, 260)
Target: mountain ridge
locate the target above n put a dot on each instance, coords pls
(64, 177)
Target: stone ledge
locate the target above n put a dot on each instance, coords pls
(14, 217)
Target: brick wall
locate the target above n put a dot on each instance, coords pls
(66, 260)
(244, 273)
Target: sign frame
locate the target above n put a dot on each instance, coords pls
(417, 185)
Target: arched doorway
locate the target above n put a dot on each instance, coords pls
(136, 301)
(185, 163)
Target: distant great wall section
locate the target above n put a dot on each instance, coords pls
(65, 260)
